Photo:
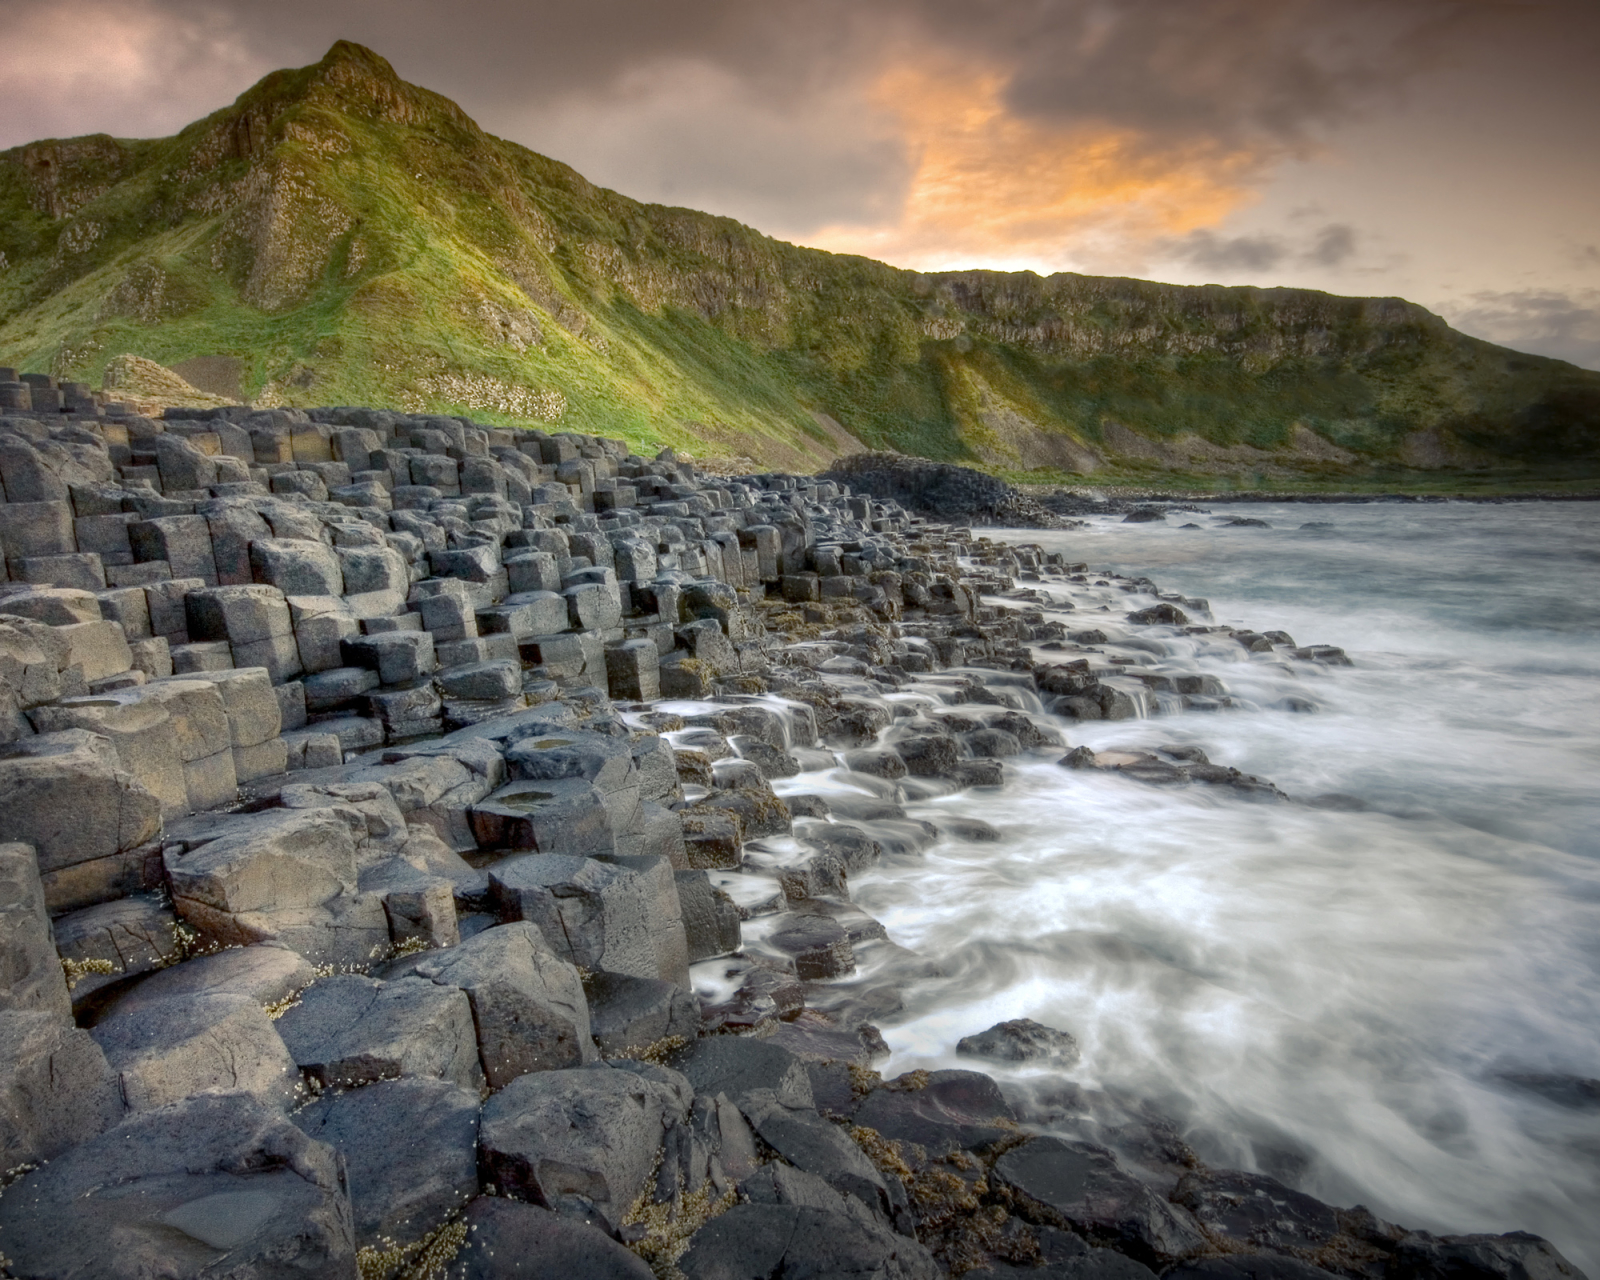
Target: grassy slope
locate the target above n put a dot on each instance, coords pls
(357, 240)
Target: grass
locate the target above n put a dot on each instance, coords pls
(353, 239)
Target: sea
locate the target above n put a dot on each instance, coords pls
(1384, 989)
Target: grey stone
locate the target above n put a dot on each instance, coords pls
(398, 657)
(823, 1149)
(593, 913)
(710, 916)
(482, 680)
(1021, 1040)
(528, 1005)
(320, 624)
(350, 1030)
(509, 1240)
(178, 1190)
(819, 946)
(410, 1149)
(184, 542)
(30, 971)
(53, 606)
(296, 567)
(566, 815)
(948, 1111)
(628, 1013)
(166, 1050)
(796, 1242)
(752, 1073)
(56, 1088)
(133, 936)
(68, 797)
(590, 1131)
(1079, 1187)
(267, 973)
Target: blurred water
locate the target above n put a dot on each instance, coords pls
(1335, 997)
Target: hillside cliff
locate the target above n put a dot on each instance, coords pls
(340, 236)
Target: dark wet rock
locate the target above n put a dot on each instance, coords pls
(991, 743)
(942, 1111)
(1021, 1040)
(509, 1240)
(819, 946)
(710, 916)
(410, 1148)
(1248, 1266)
(1144, 515)
(750, 1072)
(1077, 758)
(816, 1038)
(1251, 1210)
(1574, 1092)
(795, 1242)
(592, 1132)
(1080, 1187)
(1245, 522)
(1160, 615)
(974, 829)
(627, 1013)
(1064, 1256)
(1514, 1256)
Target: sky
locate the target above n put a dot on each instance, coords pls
(1445, 151)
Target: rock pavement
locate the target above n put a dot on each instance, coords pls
(408, 868)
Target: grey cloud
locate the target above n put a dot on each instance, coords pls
(1547, 322)
(1211, 252)
(1334, 243)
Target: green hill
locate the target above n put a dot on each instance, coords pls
(338, 236)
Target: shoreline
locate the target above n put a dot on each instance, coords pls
(401, 826)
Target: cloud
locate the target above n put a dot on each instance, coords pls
(990, 187)
(1335, 243)
(133, 68)
(1211, 252)
(1547, 322)
(1330, 247)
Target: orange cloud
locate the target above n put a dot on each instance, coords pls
(993, 189)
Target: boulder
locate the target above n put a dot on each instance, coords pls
(268, 973)
(30, 971)
(1080, 1187)
(166, 1050)
(349, 1030)
(752, 1073)
(56, 1087)
(710, 916)
(509, 1240)
(528, 1005)
(126, 937)
(1021, 1040)
(948, 1111)
(627, 1013)
(593, 1132)
(68, 796)
(595, 914)
(296, 567)
(410, 1149)
(218, 1180)
(796, 1242)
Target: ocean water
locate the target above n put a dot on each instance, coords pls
(1392, 1002)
